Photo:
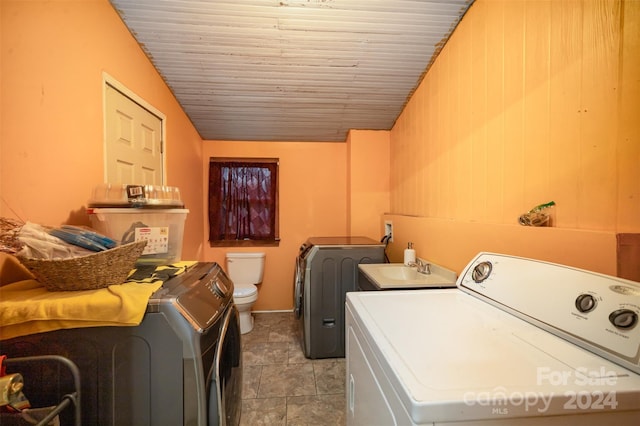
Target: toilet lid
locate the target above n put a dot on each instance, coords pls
(245, 291)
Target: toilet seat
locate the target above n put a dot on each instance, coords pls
(243, 291)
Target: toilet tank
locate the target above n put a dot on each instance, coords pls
(245, 268)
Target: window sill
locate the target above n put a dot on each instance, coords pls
(245, 243)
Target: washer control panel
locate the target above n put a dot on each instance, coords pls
(201, 294)
(598, 312)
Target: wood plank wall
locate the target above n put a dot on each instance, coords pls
(529, 101)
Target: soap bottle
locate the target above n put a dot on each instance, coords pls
(409, 254)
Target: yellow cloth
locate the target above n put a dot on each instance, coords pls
(26, 307)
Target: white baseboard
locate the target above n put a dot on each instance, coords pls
(271, 312)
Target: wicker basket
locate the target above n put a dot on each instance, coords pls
(91, 272)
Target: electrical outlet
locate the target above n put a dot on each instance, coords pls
(388, 229)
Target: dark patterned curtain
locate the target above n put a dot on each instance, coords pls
(242, 200)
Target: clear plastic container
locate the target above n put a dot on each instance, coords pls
(163, 229)
(125, 195)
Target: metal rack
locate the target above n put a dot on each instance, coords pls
(67, 399)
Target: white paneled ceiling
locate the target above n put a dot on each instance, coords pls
(291, 70)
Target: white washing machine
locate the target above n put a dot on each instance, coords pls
(518, 342)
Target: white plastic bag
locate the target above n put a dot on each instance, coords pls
(39, 244)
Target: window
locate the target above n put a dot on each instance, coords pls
(243, 202)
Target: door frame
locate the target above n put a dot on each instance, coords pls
(111, 81)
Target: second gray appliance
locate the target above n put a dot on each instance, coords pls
(182, 365)
(326, 269)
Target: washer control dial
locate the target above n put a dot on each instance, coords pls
(481, 271)
(220, 289)
(624, 319)
(585, 303)
(217, 288)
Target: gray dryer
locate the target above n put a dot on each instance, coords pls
(326, 269)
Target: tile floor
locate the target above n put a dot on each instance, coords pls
(280, 385)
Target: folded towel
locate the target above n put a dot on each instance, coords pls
(149, 273)
(26, 307)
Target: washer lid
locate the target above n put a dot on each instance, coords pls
(487, 360)
(245, 291)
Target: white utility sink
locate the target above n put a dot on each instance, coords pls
(397, 275)
(399, 272)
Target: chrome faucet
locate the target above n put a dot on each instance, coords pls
(422, 266)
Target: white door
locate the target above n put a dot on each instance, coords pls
(133, 141)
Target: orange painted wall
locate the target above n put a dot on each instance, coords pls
(313, 202)
(52, 56)
(367, 181)
(529, 101)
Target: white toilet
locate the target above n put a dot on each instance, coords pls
(245, 270)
